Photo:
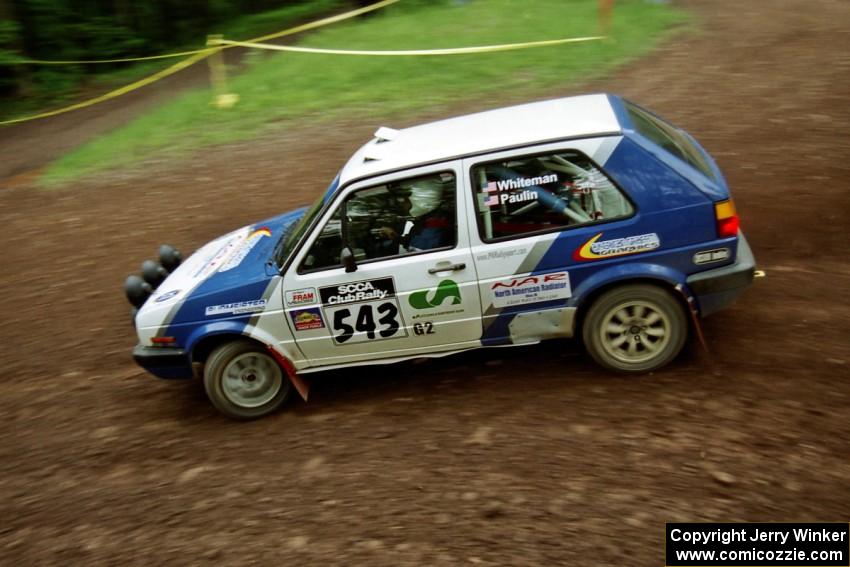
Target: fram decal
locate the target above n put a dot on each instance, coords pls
(595, 249)
(307, 319)
(521, 290)
(446, 290)
(304, 296)
(246, 247)
(238, 308)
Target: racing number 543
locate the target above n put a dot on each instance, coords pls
(364, 322)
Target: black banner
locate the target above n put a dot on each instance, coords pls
(758, 545)
(367, 290)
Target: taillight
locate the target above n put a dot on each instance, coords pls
(727, 219)
(163, 340)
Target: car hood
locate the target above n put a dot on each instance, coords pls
(228, 270)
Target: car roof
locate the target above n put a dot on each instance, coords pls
(513, 126)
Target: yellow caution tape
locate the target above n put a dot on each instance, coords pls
(290, 31)
(453, 51)
(196, 55)
(97, 61)
(118, 92)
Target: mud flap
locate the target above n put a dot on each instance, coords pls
(694, 316)
(302, 385)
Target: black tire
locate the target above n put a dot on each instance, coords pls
(243, 381)
(635, 328)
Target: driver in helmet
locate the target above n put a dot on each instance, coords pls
(423, 225)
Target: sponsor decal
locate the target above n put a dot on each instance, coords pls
(709, 256)
(238, 308)
(438, 313)
(167, 295)
(595, 249)
(445, 290)
(500, 254)
(307, 319)
(515, 190)
(220, 256)
(521, 290)
(304, 296)
(244, 249)
(367, 290)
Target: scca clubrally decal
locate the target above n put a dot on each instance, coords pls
(361, 312)
(368, 290)
(595, 249)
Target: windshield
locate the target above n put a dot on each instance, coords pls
(295, 231)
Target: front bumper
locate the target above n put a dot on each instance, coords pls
(718, 288)
(163, 362)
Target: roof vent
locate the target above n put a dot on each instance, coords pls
(384, 134)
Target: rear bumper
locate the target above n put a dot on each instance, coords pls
(719, 288)
(163, 362)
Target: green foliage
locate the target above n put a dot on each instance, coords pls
(280, 88)
(99, 29)
(8, 35)
(276, 19)
(8, 56)
(103, 38)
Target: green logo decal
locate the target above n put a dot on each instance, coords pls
(445, 290)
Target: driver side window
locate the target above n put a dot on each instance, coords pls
(394, 219)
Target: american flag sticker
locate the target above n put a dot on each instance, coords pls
(492, 188)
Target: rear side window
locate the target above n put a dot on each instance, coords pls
(541, 193)
(668, 137)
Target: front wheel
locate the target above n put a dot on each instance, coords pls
(244, 382)
(635, 328)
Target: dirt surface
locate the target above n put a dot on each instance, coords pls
(512, 456)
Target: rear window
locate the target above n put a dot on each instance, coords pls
(670, 138)
(526, 195)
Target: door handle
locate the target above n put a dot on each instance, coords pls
(448, 268)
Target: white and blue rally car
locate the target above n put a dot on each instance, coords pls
(585, 216)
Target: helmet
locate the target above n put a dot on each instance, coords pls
(425, 196)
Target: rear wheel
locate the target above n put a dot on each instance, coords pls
(635, 328)
(244, 382)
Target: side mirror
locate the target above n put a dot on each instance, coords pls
(346, 256)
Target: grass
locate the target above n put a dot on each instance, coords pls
(280, 88)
